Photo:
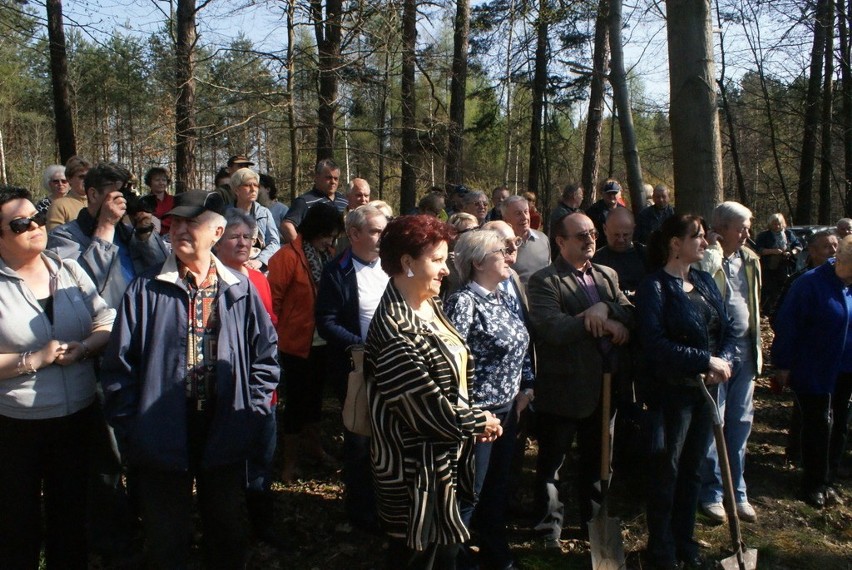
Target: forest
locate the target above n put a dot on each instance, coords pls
(412, 94)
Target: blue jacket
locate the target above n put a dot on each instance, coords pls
(144, 368)
(673, 333)
(810, 330)
(337, 311)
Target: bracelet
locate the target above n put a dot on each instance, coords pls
(24, 365)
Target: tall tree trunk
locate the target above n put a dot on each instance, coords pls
(65, 136)
(824, 217)
(844, 10)
(538, 89)
(507, 145)
(291, 99)
(621, 97)
(328, 35)
(729, 117)
(382, 131)
(696, 145)
(458, 93)
(594, 122)
(804, 200)
(185, 132)
(408, 183)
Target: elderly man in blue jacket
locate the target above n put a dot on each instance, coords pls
(350, 289)
(812, 352)
(189, 371)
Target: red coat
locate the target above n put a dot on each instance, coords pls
(294, 295)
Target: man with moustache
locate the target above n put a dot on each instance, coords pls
(534, 251)
(580, 318)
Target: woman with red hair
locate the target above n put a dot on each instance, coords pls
(423, 426)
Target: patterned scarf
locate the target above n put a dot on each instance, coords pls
(316, 260)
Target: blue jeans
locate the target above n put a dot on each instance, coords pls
(487, 513)
(674, 480)
(736, 406)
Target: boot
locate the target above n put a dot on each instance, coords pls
(290, 470)
(312, 446)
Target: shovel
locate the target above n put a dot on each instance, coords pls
(743, 558)
(605, 531)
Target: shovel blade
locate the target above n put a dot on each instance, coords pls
(605, 541)
(749, 561)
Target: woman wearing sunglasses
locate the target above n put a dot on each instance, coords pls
(488, 320)
(52, 323)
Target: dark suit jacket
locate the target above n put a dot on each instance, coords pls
(569, 366)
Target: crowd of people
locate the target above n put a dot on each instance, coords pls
(163, 346)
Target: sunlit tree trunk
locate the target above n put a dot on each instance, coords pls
(594, 122)
(408, 183)
(65, 136)
(621, 97)
(729, 117)
(538, 90)
(185, 133)
(694, 119)
(824, 216)
(458, 93)
(328, 35)
(291, 99)
(844, 12)
(804, 200)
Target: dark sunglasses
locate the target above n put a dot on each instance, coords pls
(20, 225)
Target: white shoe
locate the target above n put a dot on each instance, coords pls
(746, 512)
(715, 512)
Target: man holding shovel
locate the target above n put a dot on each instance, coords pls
(580, 319)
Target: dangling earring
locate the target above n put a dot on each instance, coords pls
(409, 273)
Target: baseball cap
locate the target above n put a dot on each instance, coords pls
(239, 159)
(195, 202)
(612, 186)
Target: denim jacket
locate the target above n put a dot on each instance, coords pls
(674, 334)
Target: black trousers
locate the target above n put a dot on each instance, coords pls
(435, 557)
(555, 436)
(303, 382)
(166, 500)
(46, 459)
(825, 426)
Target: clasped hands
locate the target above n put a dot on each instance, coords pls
(597, 322)
(718, 372)
(493, 429)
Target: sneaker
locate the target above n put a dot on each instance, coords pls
(746, 512)
(715, 512)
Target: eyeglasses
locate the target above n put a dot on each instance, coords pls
(512, 244)
(60, 181)
(20, 225)
(586, 236)
(502, 251)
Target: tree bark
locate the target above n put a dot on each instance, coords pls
(824, 215)
(65, 136)
(185, 132)
(458, 93)
(621, 97)
(507, 143)
(594, 122)
(408, 183)
(696, 145)
(729, 117)
(328, 35)
(538, 90)
(804, 199)
(291, 99)
(844, 10)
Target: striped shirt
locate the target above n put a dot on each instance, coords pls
(308, 200)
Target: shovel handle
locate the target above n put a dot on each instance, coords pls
(606, 403)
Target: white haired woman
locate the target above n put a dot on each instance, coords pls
(778, 248)
(55, 184)
(246, 185)
(488, 321)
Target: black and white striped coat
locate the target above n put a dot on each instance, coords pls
(422, 444)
